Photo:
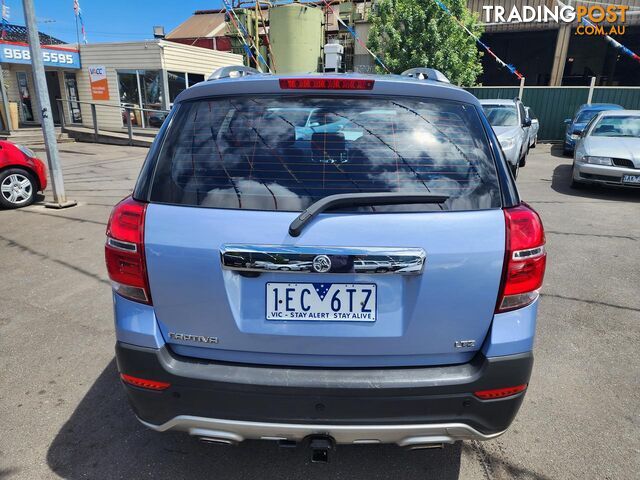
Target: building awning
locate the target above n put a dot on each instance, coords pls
(18, 33)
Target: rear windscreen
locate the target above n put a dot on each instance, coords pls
(585, 116)
(501, 115)
(286, 152)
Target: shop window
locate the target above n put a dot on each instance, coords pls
(129, 96)
(195, 78)
(152, 96)
(151, 89)
(177, 83)
(140, 90)
(71, 86)
(26, 107)
(128, 83)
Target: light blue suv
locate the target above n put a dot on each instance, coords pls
(378, 289)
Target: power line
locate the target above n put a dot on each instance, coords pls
(243, 32)
(502, 63)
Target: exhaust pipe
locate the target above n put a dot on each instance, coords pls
(220, 437)
(426, 442)
(425, 446)
(217, 441)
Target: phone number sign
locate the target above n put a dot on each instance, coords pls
(50, 57)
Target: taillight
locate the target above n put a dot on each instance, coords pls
(124, 250)
(326, 84)
(500, 392)
(144, 383)
(525, 258)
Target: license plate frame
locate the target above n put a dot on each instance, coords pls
(626, 179)
(321, 310)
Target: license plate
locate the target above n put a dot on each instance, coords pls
(633, 179)
(333, 302)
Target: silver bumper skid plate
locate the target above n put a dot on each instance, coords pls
(235, 431)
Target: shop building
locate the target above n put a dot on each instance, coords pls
(19, 106)
(105, 81)
(143, 76)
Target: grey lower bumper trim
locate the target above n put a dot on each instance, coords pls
(234, 431)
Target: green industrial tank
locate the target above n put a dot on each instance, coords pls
(296, 36)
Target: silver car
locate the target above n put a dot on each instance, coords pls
(509, 120)
(608, 150)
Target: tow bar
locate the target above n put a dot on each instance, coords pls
(320, 446)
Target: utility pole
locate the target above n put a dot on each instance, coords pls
(42, 93)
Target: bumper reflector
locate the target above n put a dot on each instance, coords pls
(144, 383)
(500, 392)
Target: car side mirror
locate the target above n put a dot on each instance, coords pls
(580, 133)
(526, 123)
(567, 121)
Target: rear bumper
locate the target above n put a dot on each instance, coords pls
(407, 406)
(235, 431)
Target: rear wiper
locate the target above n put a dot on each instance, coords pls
(359, 200)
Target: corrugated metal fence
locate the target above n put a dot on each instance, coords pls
(553, 104)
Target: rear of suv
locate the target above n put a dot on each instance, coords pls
(372, 282)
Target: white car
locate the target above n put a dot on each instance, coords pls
(534, 128)
(509, 120)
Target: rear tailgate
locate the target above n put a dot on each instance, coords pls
(419, 317)
(235, 170)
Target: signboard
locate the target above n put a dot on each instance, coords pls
(98, 81)
(51, 56)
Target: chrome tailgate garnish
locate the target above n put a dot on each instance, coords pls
(317, 259)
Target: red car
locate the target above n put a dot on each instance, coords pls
(21, 175)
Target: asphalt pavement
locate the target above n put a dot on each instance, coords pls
(63, 413)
